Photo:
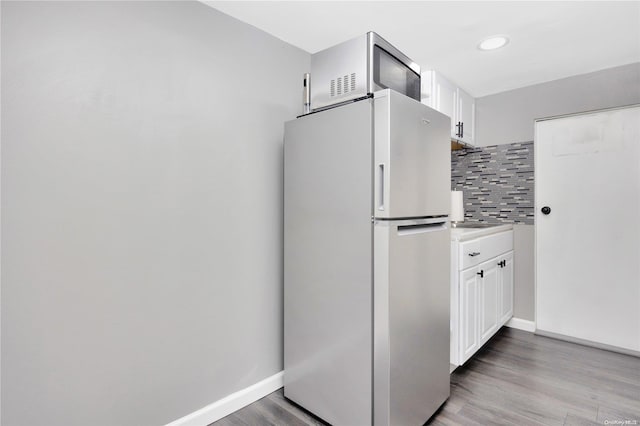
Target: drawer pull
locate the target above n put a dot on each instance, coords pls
(475, 253)
(481, 273)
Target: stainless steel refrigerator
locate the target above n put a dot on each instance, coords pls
(366, 269)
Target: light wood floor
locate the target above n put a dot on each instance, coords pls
(518, 378)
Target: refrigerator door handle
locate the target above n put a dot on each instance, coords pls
(381, 187)
(421, 228)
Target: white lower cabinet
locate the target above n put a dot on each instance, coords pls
(482, 300)
(488, 303)
(469, 297)
(506, 288)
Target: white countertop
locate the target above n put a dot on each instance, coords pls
(463, 234)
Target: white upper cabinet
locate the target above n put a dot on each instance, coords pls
(466, 117)
(444, 98)
(442, 95)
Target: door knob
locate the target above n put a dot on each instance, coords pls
(546, 210)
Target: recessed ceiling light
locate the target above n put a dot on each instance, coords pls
(493, 42)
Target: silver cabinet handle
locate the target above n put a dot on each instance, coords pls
(475, 253)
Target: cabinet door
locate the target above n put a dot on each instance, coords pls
(427, 90)
(412, 158)
(469, 338)
(445, 100)
(488, 310)
(466, 113)
(506, 288)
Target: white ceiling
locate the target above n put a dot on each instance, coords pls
(548, 40)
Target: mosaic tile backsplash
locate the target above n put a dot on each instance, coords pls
(497, 182)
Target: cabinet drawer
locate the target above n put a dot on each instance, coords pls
(479, 250)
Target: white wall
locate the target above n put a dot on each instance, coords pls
(141, 209)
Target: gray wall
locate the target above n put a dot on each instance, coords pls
(141, 209)
(508, 117)
(524, 272)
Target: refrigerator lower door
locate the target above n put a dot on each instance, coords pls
(411, 320)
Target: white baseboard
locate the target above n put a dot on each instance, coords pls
(231, 403)
(522, 324)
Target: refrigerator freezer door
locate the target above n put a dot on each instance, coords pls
(411, 320)
(327, 263)
(412, 158)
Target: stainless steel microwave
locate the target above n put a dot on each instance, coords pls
(359, 67)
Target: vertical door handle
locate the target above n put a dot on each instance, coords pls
(380, 186)
(481, 273)
(461, 129)
(458, 127)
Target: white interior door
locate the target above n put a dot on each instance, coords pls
(588, 245)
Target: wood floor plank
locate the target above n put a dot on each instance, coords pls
(554, 398)
(619, 375)
(234, 419)
(279, 415)
(450, 418)
(566, 382)
(518, 378)
(488, 392)
(309, 419)
(573, 420)
(610, 415)
(489, 414)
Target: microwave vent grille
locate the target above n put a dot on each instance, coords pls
(342, 85)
